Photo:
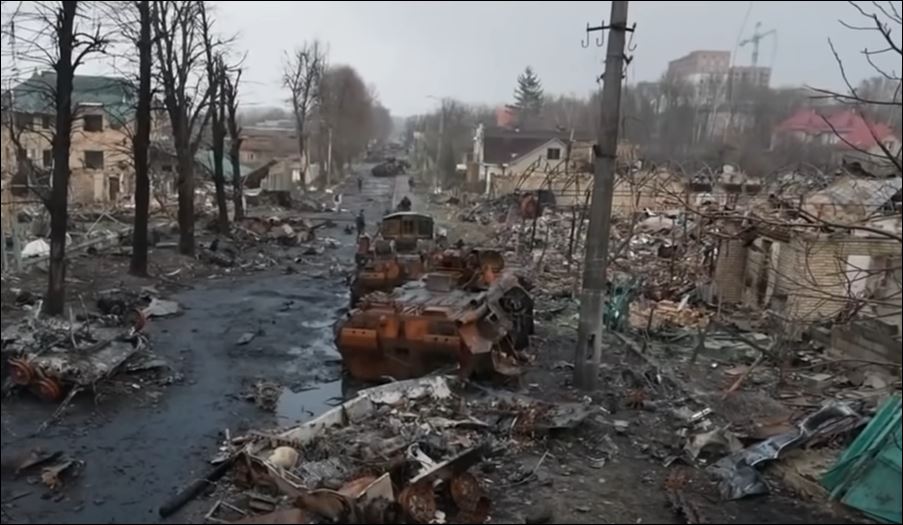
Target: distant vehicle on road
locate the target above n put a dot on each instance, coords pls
(390, 168)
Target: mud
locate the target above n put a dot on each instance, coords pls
(139, 449)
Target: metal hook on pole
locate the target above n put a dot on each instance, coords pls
(585, 43)
(600, 40)
(631, 47)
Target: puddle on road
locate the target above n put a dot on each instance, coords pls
(298, 407)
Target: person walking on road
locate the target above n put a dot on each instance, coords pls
(360, 184)
(361, 223)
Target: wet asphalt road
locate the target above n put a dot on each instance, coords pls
(138, 449)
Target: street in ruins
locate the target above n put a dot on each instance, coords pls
(404, 263)
(138, 449)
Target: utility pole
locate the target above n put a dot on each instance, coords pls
(592, 296)
(329, 157)
(438, 166)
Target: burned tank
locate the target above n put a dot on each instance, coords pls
(399, 253)
(476, 321)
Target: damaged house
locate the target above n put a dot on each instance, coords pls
(808, 273)
(99, 156)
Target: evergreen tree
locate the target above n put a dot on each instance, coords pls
(528, 93)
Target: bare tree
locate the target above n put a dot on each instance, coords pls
(884, 20)
(64, 36)
(302, 75)
(345, 109)
(141, 140)
(230, 83)
(180, 70)
(216, 69)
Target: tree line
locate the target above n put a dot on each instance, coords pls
(335, 113)
(665, 119)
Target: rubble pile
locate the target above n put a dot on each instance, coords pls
(667, 254)
(397, 453)
(284, 231)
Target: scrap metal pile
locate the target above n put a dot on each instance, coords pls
(419, 307)
(666, 255)
(56, 359)
(398, 453)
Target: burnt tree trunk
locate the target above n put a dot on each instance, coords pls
(59, 193)
(219, 178)
(217, 109)
(229, 87)
(186, 192)
(237, 184)
(141, 143)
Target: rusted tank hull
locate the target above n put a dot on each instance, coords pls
(414, 331)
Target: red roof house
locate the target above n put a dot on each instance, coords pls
(845, 129)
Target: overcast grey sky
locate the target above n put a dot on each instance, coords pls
(473, 51)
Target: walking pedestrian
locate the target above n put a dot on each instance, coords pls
(361, 223)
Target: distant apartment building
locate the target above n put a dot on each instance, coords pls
(713, 77)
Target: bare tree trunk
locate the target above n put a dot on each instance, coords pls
(229, 87)
(215, 69)
(300, 128)
(219, 182)
(237, 193)
(186, 195)
(59, 194)
(141, 143)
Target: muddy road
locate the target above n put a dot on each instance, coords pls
(139, 448)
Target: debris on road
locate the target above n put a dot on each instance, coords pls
(264, 394)
(737, 473)
(384, 456)
(58, 355)
(161, 308)
(246, 338)
(52, 475)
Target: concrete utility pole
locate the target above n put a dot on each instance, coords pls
(438, 169)
(329, 157)
(592, 296)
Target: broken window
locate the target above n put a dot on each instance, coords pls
(47, 160)
(553, 153)
(93, 123)
(94, 160)
(24, 121)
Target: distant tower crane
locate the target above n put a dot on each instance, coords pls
(754, 39)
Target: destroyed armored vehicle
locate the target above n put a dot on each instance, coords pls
(474, 318)
(390, 167)
(399, 253)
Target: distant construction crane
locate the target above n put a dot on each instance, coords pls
(754, 39)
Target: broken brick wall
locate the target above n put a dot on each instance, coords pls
(871, 341)
(812, 277)
(730, 271)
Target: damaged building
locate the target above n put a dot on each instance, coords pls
(807, 272)
(99, 155)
